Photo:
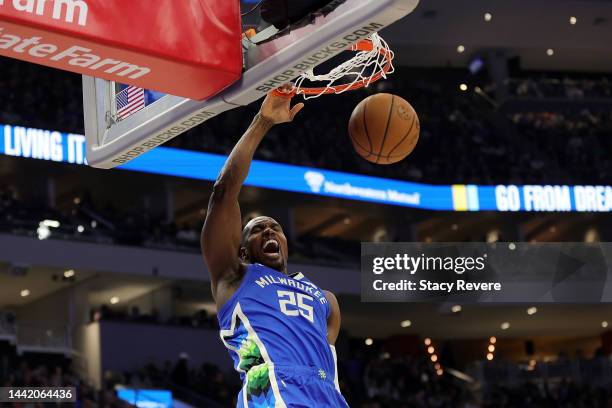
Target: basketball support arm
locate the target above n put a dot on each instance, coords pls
(268, 66)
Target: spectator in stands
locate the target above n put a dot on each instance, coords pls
(180, 373)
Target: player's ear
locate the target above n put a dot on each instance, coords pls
(243, 254)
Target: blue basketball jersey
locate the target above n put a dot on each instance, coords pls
(275, 328)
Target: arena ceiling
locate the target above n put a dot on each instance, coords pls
(474, 321)
(525, 28)
(22, 285)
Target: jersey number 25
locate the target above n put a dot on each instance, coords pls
(295, 304)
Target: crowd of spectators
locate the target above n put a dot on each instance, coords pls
(365, 383)
(543, 87)
(22, 373)
(381, 381)
(200, 319)
(368, 378)
(87, 221)
(565, 394)
(571, 140)
(203, 385)
(464, 139)
(40, 97)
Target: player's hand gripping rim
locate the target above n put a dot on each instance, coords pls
(276, 108)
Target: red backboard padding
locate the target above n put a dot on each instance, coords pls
(188, 48)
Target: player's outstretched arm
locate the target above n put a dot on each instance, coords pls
(221, 234)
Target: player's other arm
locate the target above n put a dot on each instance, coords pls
(221, 234)
(333, 321)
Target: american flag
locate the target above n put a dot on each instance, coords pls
(129, 101)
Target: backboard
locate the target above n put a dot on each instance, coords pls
(112, 141)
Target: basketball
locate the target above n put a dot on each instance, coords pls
(384, 128)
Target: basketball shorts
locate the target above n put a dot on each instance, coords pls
(298, 387)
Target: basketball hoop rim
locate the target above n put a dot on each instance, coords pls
(363, 45)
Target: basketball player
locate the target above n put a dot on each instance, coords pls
(280, 329)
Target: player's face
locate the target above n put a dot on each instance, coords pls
(266, 243)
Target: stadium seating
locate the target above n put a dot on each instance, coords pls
(485, 132)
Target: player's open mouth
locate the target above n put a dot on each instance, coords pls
(271, 246)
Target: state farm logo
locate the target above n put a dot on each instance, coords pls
(66, 10)
(315, 180)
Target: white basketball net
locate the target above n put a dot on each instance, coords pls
(363, 67)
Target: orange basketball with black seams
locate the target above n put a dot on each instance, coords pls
(384, 128)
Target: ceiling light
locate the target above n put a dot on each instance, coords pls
(380, 235)
(573, 20)
(430, 349)
(456, 308)
(460, 49)
(69, 273)
(532, 310)
(405, 323)
(491, 348)
(550, 52)
(439, 371)
(492, 340)
(490, 356)
(488, 17)
(369, 341)
(604, 324)
(492, 236)
(50, 223)
(463, 87)
(25, 293)
(591, 236)
(114, 300)
(43, 232)
(434, 358)
(427, 341)
(505, 325)
(80, 228)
